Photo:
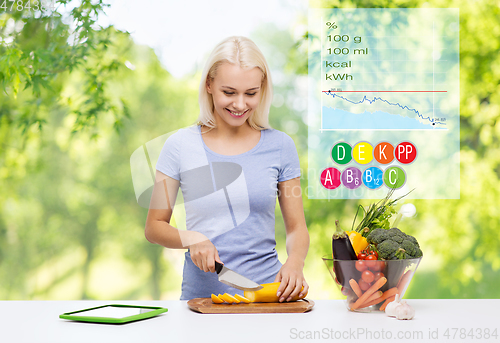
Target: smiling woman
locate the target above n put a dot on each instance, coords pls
(239, 58)
(235, 92)
(233, 223)
(235, 95)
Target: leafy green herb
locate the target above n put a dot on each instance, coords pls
(377, 215)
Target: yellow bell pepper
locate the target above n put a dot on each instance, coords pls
(358, 242)
(267, 294)
(216, 299)
(229, 298)
(242, 298)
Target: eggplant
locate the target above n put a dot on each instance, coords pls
(342, 250)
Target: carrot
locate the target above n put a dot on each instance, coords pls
(390, 293)
(355, 287)
(373, 288)
(373, 302)
(404, 281)
(387, 301)
(375, 298)
(387, 294)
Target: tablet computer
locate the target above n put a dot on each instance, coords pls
(114, 314)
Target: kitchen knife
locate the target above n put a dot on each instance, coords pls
(234, 279)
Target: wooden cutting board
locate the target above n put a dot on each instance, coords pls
(205, 305)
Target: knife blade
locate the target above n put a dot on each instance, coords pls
(233, 279)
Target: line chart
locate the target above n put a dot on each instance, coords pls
(343, 123)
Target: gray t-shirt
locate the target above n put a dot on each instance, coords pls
(232, 200)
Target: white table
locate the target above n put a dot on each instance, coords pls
(329, 321)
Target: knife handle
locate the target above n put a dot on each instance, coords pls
(218, 267)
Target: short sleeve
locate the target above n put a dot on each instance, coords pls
(169, 160)
(289, 161)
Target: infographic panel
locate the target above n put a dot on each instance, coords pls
(383, 103)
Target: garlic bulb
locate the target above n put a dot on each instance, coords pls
(399, 309)
(390, 309)
(404, 311)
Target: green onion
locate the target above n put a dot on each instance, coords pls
(377, 215)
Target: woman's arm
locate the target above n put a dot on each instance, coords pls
(159, 231)
(297, 240)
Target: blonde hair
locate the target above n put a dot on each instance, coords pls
(243, 52)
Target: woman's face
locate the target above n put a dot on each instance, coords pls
(235, 92)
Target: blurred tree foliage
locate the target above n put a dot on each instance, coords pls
(40, 47)
(67, 204)
(70, 226)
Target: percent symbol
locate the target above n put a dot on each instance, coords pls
(331, 25)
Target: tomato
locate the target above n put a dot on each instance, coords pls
(361, 266)
(378, 266)
(363, 284)
(378, 276)
(367, 276)
(344, 291)
(374, 253)
(369, 251)
(371, 261)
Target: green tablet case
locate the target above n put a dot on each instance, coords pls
(145, 312)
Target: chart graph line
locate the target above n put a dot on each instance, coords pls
(404, 107)
(384, 91)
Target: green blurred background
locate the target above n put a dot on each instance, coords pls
(77, 99)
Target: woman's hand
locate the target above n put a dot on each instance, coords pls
(292, 279)
(204, 254)
(297, 241)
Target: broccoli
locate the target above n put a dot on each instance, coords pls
(413, 240)
(387, 249)
(377, 236)
(394, 244)
(411, 248)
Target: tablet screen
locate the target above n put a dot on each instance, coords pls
(112, 312)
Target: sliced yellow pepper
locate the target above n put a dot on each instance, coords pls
(241, 298)
(358, 242)
(229, 298)
(216, 300)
